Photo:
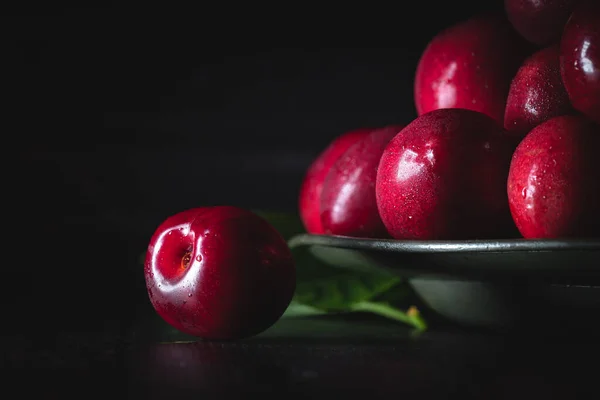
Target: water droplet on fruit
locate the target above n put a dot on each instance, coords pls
(524, 192)
(189, 295)
(198, 258)
(410, 217)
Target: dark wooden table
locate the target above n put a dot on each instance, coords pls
(308, 358)
(77, 322)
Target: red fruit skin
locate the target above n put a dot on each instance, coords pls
(554, 180)
(240, 279)
(348, 204)
(309, 199)
(580, 58)
(443, 177)
(536, 93)
(539, 21)
(470, 65)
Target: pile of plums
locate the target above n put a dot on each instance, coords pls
(504, 144)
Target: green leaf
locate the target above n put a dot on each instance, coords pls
(296, 309)
(340, 290)
(334, 289)
(411, 317)
(286, 224)
(331, 280)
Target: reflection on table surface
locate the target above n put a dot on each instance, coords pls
(312, 358)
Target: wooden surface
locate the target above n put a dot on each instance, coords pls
(308, 358)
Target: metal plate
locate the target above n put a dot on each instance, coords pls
(560, 261)
(495, 284)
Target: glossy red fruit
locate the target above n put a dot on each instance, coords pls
(536, 93)
(312, 184)
(348, 204)
(539, 21)
(554, 180)
(470, 65)
(219, 272)
(444, 177)
(580, 58)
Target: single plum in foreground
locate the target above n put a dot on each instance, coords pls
(219, 272)
(536, 93)
(348, 205)
(470, 65)
(443, 177)
(554, 180)
(309, 199)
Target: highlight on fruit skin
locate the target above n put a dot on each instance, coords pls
(443, 177)
(554, 180)
(470, 65)
(309, 198)
(536, 93)
(219, 272)
(348, 203)
(580, 58)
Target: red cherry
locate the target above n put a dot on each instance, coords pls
(348, 205)
(444, 177)
(219, 272)
(580, 58)
(536, 93)
(539, 21)
(554, 180)
(470, 65)
(312, 185)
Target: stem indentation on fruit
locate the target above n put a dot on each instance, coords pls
(186, 260)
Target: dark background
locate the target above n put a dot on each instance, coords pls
(121, 115)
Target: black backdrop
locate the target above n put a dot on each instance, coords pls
(121, 116)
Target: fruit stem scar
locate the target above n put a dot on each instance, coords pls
(186, 260)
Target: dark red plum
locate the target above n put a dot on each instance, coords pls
(219, 272)
(443, 177)
(348, 204)
(554, 180)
